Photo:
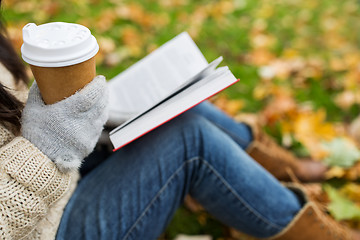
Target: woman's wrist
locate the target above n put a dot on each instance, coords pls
(67, 131)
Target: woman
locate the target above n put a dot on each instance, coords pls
(132, 193)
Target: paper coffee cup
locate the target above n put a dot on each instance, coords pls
(61, 57)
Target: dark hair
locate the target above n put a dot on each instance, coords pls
(10, 106)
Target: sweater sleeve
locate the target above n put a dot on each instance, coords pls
(29, 184)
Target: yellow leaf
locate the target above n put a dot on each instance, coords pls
(352, 191)
(260, 57)
(133, 40)
(312, 125)
(282, 104)
(337, 64)
(234, 106)
(311, 129)
(105, 21)
(173, 3)
(352, 79)
(266, 11)
(221, 8)
(290, 53)
(353, 173)
(352, 59)
(335, 172)
(231, 107)
(260, 91)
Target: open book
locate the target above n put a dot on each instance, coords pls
(170, 80)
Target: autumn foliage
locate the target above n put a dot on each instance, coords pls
(298, 61)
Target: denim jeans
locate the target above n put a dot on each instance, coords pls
(134, 192)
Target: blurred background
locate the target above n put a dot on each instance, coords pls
(298, 61)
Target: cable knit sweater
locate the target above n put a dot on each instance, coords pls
(33, 192)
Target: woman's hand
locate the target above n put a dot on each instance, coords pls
(67, 131)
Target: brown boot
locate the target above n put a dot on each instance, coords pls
(311, 223)
(276, 159)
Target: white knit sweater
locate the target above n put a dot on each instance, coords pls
(33, 192)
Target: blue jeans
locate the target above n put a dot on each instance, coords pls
(134, 192)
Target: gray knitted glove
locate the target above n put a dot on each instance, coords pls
(67, 131)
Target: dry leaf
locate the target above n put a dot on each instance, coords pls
(352, 191)
(105, 21)
(173, 3)
(312, 125)
(341, 207)
(280, 105)
(335, 172)
(260, 57)
(133, 40)
(342, 152)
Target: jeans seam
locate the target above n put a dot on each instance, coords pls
(162, 189)
(251, 209)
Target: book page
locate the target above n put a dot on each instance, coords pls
(207, 73)
(153, 77)
(189, 97)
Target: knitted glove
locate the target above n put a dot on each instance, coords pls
(67, 131)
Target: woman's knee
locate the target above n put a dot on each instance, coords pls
(192, 126)
(185, 133)
(181, 132)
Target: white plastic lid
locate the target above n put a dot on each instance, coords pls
(57, 44)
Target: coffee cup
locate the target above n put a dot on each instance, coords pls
(61, 57)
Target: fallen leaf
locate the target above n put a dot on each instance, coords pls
(221, 8)
(353, 173)
(105, 21)
(342, 153)
(312, 127)
(337, 64)
(230, 106)
(335, 172)
(133, 40)
(261, 91)
(260, 57)
(234, 106)
(173, 3)
(352, 191)
(340, 207)
(281, 104)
